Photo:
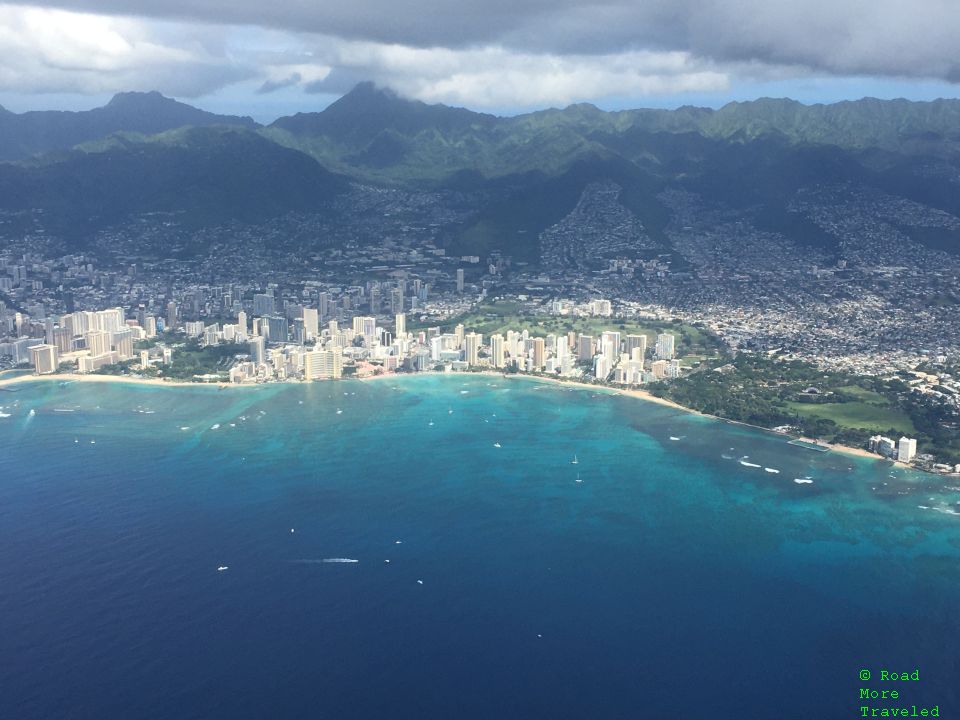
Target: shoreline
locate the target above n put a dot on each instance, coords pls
(649, 397)
(123, 379)
(628, 392)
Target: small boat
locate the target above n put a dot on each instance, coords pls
(5, 415)
(215, 426)
(222, 568)
(496, 445)
(574, 461)
(339, 411)
(578, 478)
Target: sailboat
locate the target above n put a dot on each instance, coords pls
(574, 461)
(578, 478)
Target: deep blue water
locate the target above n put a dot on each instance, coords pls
(671, 582)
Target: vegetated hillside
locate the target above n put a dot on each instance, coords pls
(521, 175)
(32, 133)
(209, 175)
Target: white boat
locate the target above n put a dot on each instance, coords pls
(574, 461)
(215, 426)
(578, 478)
(222, 568)
(5, 415)
(496, 445)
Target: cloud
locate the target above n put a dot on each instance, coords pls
(53, 51)
(840, 37)
(490, 54)
(495, 77)
(58, 51)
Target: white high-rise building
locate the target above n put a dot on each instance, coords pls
(320, 364)
(44, 358)
(436, 347)
(665, 346)
(258, 349)
(365, 325)
(513, 343)
(497, 351)
(906, 449)
(400, 325)
(601, 367)
(123, 342)
(636, 346)
(539, 354)
(584, 347)
(98, 342)
(311, 323)
(111, 320)
(472, 343)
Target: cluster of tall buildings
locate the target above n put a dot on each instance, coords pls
(303, 346)
(312, 352)
(903, 450)
(91, 338)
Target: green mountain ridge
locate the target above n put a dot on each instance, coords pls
(523, 174)
(42, 131)
(206, 175)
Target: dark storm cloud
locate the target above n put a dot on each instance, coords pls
(843, 37)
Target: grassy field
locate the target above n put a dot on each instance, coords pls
(871, 411)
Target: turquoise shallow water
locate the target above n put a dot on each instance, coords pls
(673, 581)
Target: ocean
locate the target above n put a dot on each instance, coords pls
(420, 547)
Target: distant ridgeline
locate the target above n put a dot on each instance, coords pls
(519, 176)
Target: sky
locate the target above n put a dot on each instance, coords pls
(267, 59)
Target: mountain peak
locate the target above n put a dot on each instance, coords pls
(368, 110)
(367, 96)
(127, 99)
